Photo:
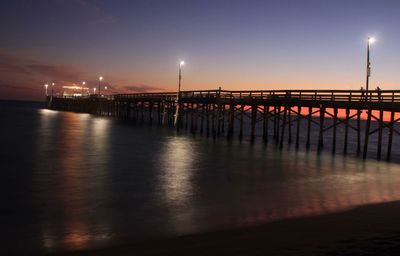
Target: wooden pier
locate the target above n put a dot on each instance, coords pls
(277, 113)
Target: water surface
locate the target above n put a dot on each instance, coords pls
(74, 181)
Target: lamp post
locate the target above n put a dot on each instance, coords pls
(370, 41)
(181, 64)
(45, 86)
(105, 89)
(83, 87)
(94, 90)
(52, 89)
(100, 79)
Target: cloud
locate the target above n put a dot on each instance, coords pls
(137, 88)
(63, 73)
(14, 87)
(24, 77)
(13, 64)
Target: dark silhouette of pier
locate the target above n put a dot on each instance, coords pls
(222, 113)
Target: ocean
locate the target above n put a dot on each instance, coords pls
(73, 181)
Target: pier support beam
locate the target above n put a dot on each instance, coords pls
(389, 147)
(358, 132)
(241, 122)
(299, 116)
(321, 128)
(380, 127)
(253, 121)
(265, 123)
(289, 115)
(231, 125)
(283, 126)
(309, 127)
(367, 127)
(346, 131)
(335, 117)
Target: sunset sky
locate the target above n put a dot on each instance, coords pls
(136, 45)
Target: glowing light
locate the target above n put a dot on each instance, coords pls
(48, 112)
(53, 84)
(94, 90)
(182, 63)
(100, 78)
(371, 40)
(74, 87)
(46, 85)
(105, 87)
(83, 83)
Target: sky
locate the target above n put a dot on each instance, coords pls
(237, 45)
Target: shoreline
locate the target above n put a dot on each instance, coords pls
(364, 228)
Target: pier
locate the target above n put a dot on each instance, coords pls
(278, 113)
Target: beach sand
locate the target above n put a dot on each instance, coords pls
(365, 230)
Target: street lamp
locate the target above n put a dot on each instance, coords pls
(371, 40)
(100, 79)
(181, 64)
(45, 86)
(94, 90)
(83, 87)
(52, 89)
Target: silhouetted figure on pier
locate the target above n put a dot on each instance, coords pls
(362, 94)
(378, 90)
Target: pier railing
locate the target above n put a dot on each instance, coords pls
(304, 95)
(318, 95)
(392, 96)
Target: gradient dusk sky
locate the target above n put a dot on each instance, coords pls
(136, 45)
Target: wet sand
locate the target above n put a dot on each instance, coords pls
(365, 230)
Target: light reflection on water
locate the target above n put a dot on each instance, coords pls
(177, 161)
(178, 158)
(96, 181)
(72, 172)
